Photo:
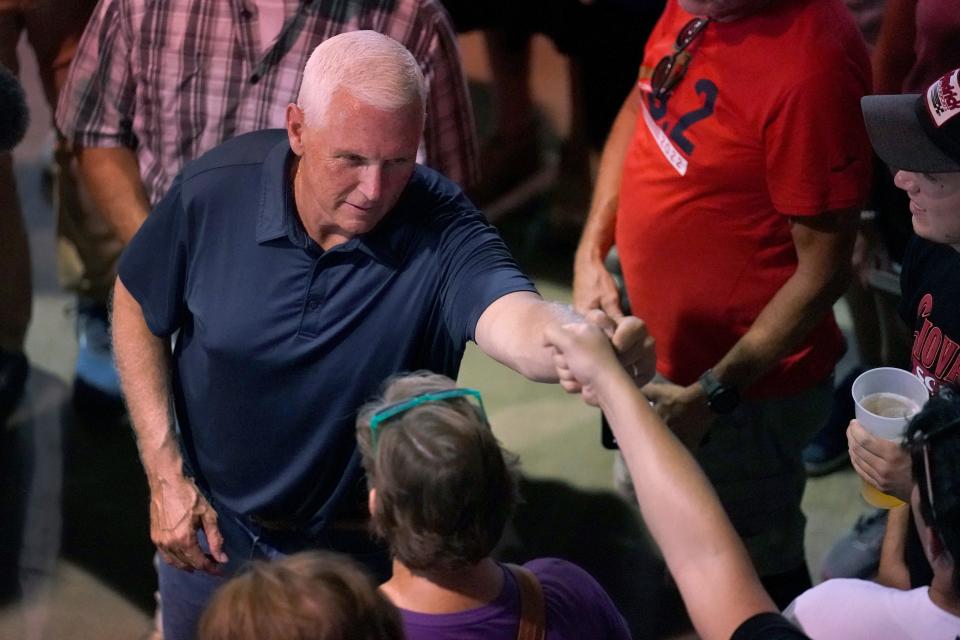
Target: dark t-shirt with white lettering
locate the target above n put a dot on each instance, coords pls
(930, 283)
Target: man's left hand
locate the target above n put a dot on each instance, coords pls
(631, 341)
(684, 409)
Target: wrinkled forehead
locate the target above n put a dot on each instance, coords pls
(346, 102)
(354, 127)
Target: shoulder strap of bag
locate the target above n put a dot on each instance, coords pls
(533, 618)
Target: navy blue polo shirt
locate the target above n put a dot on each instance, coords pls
(279, 341)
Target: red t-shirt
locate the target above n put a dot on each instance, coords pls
(765, 123)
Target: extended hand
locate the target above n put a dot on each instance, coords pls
(631, 341)
(684, 409)
(882, 463)
(634, 347)
(582, 352)
(177, 510)
(594, 288)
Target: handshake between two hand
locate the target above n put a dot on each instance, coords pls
(586, 353)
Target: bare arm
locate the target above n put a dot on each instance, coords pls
(678, 504)
(511, 331)
(824, 244)
(112, 176)
(450, 137)
(893, 571)
(593, 288)
(894, 54)
(177, 508)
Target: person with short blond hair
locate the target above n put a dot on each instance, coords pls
(306, 596)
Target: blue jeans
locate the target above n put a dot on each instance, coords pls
(184, 595)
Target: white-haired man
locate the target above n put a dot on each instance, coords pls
(154, 85)
(301, 268)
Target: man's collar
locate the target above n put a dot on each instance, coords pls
(384, 244)
(272, 220)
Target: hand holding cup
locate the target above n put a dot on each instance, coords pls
(885, 398)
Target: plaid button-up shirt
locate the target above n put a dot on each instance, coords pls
(174, 78)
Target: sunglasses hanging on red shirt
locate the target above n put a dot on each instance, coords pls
(670, 70)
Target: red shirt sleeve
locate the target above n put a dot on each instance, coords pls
(817, 152)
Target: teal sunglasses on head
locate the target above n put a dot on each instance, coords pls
(396, 409)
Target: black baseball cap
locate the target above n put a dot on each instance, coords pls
(918, 132)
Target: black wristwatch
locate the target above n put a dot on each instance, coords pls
(721, 398)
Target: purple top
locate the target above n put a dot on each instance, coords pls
(577, 608)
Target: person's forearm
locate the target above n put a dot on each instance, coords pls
(143, 362)
(598, 231)
(450, 137)
(593, 286)
(177, 507)
(112, 176)
(511, 332)
(894, 54)
(789, 316)
(822, 275)
(893, 571)
(683, 514)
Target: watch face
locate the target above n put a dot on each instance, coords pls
(721, 398)
(724, 400)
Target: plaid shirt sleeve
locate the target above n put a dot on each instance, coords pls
(95, 108)
(450, 135)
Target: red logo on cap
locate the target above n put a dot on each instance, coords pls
(949, 100)
(943, 98)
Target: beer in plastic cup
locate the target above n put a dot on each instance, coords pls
(885, 399)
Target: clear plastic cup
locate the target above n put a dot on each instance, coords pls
(885, 399)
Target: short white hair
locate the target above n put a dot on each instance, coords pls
(372, 67)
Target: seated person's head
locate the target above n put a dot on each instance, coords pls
(933, 440)
(305, 596)
(442, 489)
(919, 136)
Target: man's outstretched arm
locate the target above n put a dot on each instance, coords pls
(511, 331)
(177, 508)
